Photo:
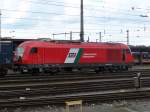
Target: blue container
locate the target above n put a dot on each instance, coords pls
(6, 52)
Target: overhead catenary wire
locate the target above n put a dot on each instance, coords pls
(102, 17)
(52, 4)
(60, 14)
(77, 7)
(54, 13)
(88, 17)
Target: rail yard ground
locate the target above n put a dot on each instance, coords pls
(144, 66)
(115, 106)
(26, 90)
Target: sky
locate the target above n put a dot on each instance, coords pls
(43, 18)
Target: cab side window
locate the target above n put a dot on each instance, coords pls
(34, 50)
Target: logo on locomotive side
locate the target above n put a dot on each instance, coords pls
(72, 55)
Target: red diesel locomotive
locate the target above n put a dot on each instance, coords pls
(41, 56)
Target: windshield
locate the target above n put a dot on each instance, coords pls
(20, 51)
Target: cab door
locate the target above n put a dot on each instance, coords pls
(34, 55)
(123, 55)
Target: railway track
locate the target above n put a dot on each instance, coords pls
(33, 90)
(86, 96)
(67, 76)
(67, 87)
(18, 75)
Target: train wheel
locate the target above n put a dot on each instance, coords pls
(54, 71)
(126, 68)
(110, 70)
(51, 70)
(34, 71)
(79, 69)
(68, 69)
(3, 72)
(117, 69)
(97, 70)
(22, 71)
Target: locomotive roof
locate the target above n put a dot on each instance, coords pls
(84, 44)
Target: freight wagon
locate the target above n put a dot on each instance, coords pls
(6, 56)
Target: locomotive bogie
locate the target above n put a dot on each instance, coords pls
(35, 69)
